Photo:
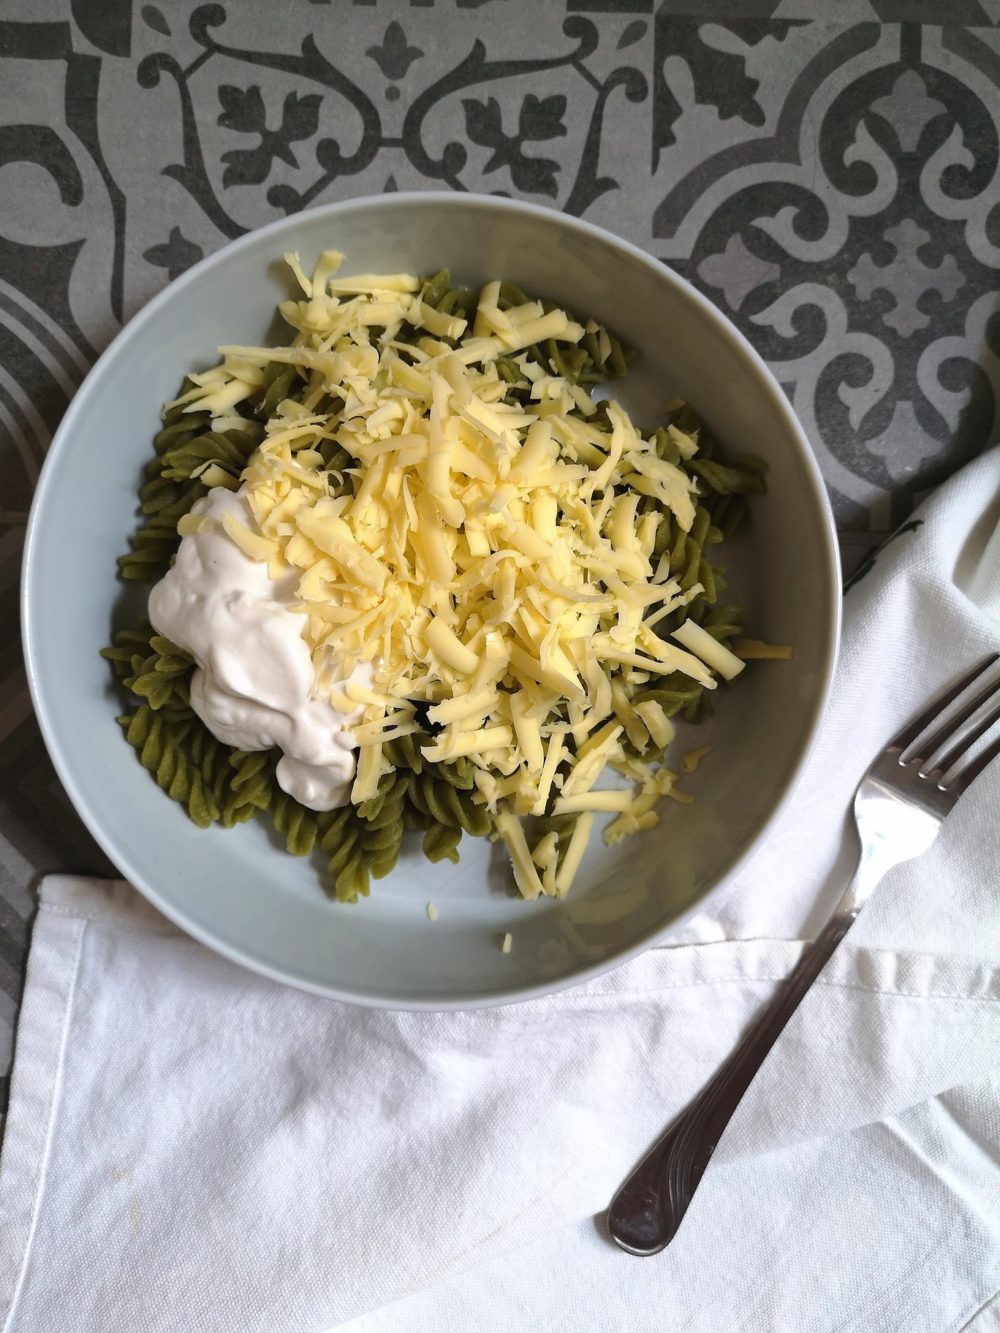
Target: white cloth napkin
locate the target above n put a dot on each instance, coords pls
(190, 1147)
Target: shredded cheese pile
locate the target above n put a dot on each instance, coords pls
(488, 561)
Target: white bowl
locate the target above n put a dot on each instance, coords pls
(236, 890)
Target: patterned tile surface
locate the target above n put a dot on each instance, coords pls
(831, 182)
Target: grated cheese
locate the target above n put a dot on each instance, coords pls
(574, 854)
(692, 758)
(713, 653)
(495, 563)
(509, 828)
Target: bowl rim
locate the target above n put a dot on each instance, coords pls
(64, 434)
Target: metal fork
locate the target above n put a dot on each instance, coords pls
(899, 806)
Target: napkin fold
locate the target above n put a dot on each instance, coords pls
(190, 1146)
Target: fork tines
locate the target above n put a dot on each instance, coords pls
(949, 728)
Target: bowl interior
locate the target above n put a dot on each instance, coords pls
(236, 889)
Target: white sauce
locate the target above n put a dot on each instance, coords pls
(254, 675)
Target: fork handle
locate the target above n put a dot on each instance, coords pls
(648, 1208)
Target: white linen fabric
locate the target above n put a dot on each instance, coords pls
(191, 1147)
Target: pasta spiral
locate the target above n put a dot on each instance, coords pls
(382, 832)
(447, 804)
(299, 825)
(346, 866)
(440, 843)
(159, 743)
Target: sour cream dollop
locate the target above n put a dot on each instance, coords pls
(254, 676)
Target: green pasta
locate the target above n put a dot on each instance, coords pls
(216, 783)
(440, 843)
(347, 865)
(404, 753)
(386, 808)
(299, 825)
(390, 787)
(382, 834)
(160, 744)
(446, 804)
(253, 782)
